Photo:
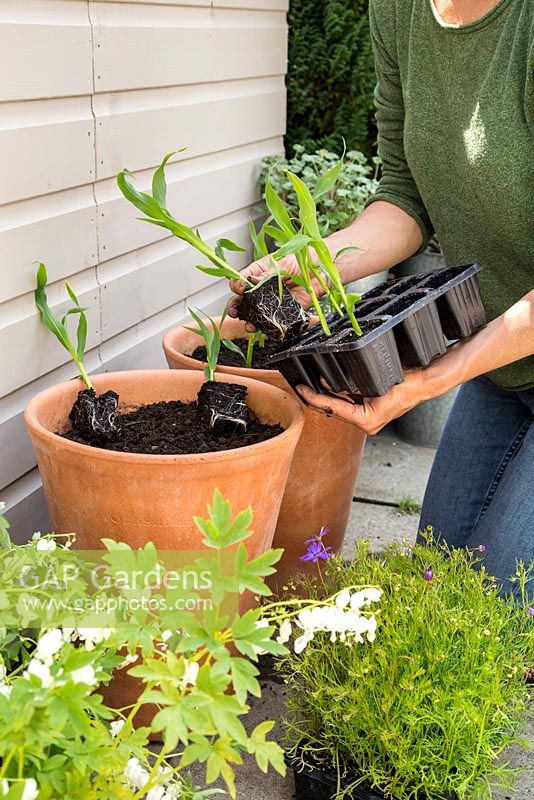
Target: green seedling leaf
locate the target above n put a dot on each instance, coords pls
(222, 272)
(345, 250)
(292, 246)
(58, 326)
(159, 184)
(307, 208)
(212, 340)
(258, 239)
(278, 210)
(327, 180)
(233, 347)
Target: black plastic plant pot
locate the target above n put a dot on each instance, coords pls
(315, 784)
(272, 309)
(96, 416)
(222, 406)
(405, 323)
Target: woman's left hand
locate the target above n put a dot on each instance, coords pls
(375, 412)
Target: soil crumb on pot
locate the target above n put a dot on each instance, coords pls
(278, 315)
(96, 416)
(222, 406)
(175, 428)
(228, 358)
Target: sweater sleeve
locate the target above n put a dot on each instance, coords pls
(396, 185)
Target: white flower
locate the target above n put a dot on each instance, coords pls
(136, 775)
(48, 645)
(5, 786)
(371, 629)
(93, 636)
(343, 598)
(302, 641)
(41, 671)
(84, 675)
(30, 789)
(373, 594)
(166, 635)
(191, 669)
(285, 632)
(5, 690)
(46, 544)
(116, 726)
(156, 793)
(261, 623)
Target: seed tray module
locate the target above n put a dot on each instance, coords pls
(405, 323)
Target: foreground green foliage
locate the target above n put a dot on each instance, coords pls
(338, 207)
(331, 76)
(432, 703)
(58, 738)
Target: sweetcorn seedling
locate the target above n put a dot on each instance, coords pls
(153, 207)
(212, 341)
(58, 326)
(302, 238)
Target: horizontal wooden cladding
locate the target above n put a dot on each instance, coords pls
(199, 190)
(186, 45)
(153, 278)
(16, 453)
(253, 5)
(59, 229)
(28, 350)
(46, 44)
(205, 119)
(45, 146)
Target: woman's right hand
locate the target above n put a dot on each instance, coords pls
(260, 269)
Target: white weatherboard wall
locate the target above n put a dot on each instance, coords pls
(87, 88)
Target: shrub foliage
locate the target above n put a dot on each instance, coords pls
(331, 76)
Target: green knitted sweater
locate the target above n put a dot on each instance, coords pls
(455, 111)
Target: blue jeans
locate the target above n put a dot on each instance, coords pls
(481, 487)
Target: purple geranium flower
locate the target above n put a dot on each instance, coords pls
(531, 611)
(428, 574)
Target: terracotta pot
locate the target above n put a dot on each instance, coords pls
(321, 482)
(141, 498)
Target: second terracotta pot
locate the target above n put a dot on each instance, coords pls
(321, 481)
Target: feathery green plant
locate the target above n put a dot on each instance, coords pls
(428, 709)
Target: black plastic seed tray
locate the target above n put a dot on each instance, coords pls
(405, 323)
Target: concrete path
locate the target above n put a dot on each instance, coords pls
(391, 470)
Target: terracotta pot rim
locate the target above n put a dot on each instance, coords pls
(97, 453)
(246, 372)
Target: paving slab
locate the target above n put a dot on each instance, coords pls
(392, 469)
(380, 525)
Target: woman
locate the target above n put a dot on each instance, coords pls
(455, 112)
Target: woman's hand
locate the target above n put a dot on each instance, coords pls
(260, 269)
(375, 412)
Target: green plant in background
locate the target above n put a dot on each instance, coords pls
(429, 707)
(407, 505)
(338, 207)
(59, 326)
(331, 77)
